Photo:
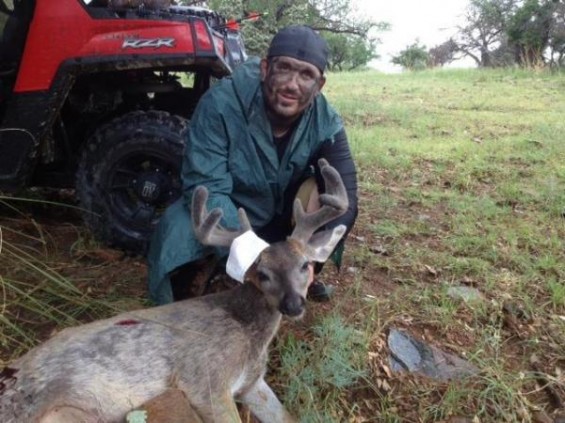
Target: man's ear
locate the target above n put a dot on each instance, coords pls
(264, 66)
(321, 83)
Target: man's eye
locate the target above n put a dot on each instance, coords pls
(307, 75)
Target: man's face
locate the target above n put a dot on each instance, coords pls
(289, 85)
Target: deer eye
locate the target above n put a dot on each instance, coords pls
(262, 276)
(304, 267)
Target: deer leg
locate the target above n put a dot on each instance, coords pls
(265, 405)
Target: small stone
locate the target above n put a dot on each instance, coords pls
(412, 355)
(516, 310)
(378, 249)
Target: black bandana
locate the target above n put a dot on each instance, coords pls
(302, 43)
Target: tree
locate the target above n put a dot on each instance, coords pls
(556, 52)
(348, 51)
(531, 28)
(349, 34)
(413, 57)
(484, 34)
(443, 53)
(508, 32)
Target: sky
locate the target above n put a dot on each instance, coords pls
(430, 21)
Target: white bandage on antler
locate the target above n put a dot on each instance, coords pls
(244, 250)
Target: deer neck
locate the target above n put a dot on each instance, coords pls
(249, 306)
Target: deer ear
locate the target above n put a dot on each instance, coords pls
(322, 244)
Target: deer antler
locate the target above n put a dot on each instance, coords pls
(334, 203)
(206, 224)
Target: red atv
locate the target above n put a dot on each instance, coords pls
(97, 96)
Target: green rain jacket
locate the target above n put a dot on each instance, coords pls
(230, 150)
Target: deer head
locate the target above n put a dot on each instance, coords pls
(282, 270)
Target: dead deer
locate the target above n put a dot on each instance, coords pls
(213, 348)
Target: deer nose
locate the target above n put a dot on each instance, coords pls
(292, 305)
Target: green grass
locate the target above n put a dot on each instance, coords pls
(462, 182)
(463, 172)
(321, 368)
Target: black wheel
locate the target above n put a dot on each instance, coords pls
(128, 174)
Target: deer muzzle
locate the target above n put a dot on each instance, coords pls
(292, 305)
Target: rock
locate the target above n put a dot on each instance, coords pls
(516, 310)
(379, 249)
(404, 351)
(409, 354)
(465, 293)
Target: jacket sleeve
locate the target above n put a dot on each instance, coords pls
(338, 154)
(205, 159)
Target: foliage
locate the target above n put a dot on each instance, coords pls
(443, 53)
(556, 52)
(413, 57)
(350, 35)
(348, 52)
(528, 30)
(484, 33)
(506, 32)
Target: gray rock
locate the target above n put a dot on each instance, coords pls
(407, 354)
(379, 249)
(352, 270)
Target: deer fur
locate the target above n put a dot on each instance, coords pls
(212, 349)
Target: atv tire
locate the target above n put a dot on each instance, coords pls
(128, 174)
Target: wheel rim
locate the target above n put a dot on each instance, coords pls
(140, 187)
